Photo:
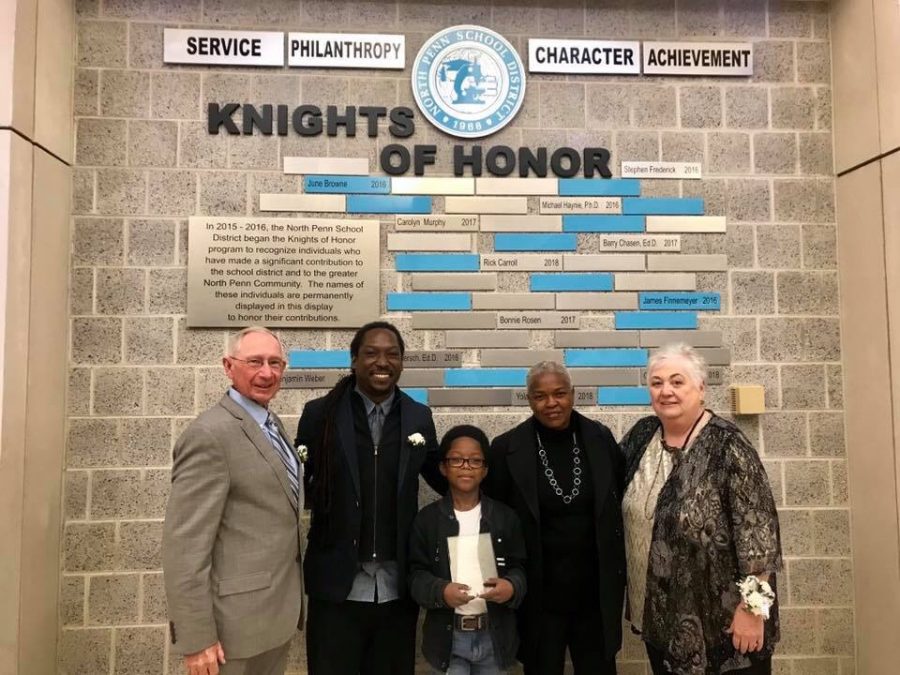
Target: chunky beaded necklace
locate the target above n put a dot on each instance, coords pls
(551, 477)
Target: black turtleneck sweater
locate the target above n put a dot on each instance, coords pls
(570, 563)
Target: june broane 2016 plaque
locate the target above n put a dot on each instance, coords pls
(283, 272)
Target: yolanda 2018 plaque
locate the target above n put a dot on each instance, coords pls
(283, 272)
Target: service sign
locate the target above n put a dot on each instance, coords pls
(347, 50)
(718, 59)
(584, 56)
(223, 47)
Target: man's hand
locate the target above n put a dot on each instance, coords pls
(456, 595)
(746, 631)
(498, 590)
(205, 662)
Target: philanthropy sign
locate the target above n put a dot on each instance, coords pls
(347, 50)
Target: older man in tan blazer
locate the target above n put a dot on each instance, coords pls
(231, 542)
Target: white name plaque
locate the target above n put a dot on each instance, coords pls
(584, 56)
(223, 47)
(728, 59)
(689, 170)
(347, 50)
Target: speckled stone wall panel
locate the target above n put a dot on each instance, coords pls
(145, 163)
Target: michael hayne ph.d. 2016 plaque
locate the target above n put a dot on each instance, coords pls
(283, 272)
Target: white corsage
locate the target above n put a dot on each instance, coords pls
(416, 439)
(758, 596)
(303, 453)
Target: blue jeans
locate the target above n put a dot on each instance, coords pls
(472, 654)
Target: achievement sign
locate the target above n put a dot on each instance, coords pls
(283, 272)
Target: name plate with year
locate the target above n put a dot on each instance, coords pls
(439, 223)
(639, 242)
(522, 262)
(440, 359)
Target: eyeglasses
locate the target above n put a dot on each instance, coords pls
(459, 462)
(256, 364)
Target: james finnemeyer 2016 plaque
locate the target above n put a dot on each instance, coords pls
(282, 272)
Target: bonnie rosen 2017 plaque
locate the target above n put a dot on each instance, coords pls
(283, 272)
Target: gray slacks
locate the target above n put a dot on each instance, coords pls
(272, 662)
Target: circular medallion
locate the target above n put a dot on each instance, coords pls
(468, 81)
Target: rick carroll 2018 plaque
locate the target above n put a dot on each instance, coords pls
(283, 272)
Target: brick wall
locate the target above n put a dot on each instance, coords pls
(144, 163)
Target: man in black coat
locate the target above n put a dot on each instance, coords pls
(562, 473)
(366, 443)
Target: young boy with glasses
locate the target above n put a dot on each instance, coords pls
(469, 585)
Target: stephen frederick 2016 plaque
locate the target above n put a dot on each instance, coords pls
(283, 272)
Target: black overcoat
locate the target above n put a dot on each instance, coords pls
(512, 479)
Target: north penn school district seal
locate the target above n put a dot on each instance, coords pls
(468, 81)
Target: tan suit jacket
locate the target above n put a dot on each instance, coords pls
(231, 540)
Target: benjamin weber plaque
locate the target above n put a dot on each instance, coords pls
(283, 272)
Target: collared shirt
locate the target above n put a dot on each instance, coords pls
(370, 405)
(376, 581)
(260, 415)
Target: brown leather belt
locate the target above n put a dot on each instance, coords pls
(470, 622)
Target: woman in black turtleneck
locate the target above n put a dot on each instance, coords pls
(562, 473)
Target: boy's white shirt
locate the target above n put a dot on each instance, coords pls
(465, 561)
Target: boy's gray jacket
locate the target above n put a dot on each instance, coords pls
(429, 573)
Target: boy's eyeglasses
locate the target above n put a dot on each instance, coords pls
(459, 462)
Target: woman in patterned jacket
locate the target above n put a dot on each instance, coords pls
(701, 531)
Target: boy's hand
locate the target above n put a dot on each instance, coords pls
(456, 595)
(498, 590)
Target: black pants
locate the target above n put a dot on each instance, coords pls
(582, 633)
(656, 657)
(346, 638)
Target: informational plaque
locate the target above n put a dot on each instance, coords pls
(283, 272)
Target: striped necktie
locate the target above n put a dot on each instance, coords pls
(284, 454)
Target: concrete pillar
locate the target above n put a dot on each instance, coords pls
(36, 47)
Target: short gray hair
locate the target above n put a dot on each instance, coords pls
(696, 364)
(234, 340)
(547, 368)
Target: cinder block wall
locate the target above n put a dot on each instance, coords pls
(144, 163)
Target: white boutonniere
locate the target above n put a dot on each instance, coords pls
(416, 439)
(303, 453)
(758, 596)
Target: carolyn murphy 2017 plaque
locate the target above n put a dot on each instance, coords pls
(283, 272)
